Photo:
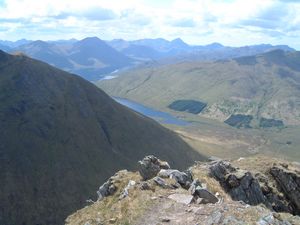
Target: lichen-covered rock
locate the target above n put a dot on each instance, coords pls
(150, 166)
(289, 182)
(240, 184)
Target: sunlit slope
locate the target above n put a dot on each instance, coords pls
(264, 86)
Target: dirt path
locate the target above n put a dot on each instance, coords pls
(167, 211)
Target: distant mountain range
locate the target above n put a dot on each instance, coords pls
(61, 137)
(89, 57)
(177, 50)
(93, 58)
(255, 91)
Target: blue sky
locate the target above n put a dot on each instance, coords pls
(230, 22)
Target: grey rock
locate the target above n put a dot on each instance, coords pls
(215, 218)
(196, 183)
(182, 198)
(240, 184)
(289, 181)
(150, 166)
(165, 173)
(164, 165)
(206, 195)
(271, 220)
(108, 188)
(182, 178)
(161, 182)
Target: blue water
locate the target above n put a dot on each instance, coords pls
(159, 116)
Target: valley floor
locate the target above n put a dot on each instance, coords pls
(232, 143)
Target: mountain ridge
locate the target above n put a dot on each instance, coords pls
(60, 136)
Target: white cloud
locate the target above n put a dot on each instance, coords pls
(231, 22)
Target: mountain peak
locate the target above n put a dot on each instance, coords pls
(94, 39)
(38, 43)
(179, 42)
(91, 41)
(215, 45)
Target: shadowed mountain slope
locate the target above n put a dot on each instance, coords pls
(61, 137)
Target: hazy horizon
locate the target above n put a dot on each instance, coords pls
(230, 22)
(75, 39)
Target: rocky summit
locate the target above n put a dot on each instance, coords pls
(256, 190)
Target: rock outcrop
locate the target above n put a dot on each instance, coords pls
(106, 189)
(150, 166)
(278, 188)
(240, 184)
(162, 199)
(289, 182)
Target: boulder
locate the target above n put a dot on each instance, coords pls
(183, 178)
(289, 182)
(150, 166)
(240, 184)
(166, 173)
(205, 195)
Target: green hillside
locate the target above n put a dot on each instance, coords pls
(61, 137)
(263, 86)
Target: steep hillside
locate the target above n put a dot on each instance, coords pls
(61, 137)
(90, 57)
(265, 86)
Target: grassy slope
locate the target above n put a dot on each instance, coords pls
(266, 88)
(61, 137)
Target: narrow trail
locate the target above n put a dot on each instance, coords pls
(167, 211)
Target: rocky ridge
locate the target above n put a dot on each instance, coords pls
(218, 192)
